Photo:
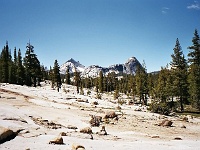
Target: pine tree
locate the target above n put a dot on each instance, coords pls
(20, 69)
(13, 69)
(179, 74)
(151, 85)
(5, 64)
(67, 76)
(56, 75)
(141, 83)
(194, 71)
(161, 88)
(100, 82)
(77, 80)
(51, 77)
(32, 66)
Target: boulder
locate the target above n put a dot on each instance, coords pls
(63, 134)
(95, 120)
(6, 134)
(110, 114)
(166, 123)
(102, 131)
(86, 130)
(57, 140)
(77, 147)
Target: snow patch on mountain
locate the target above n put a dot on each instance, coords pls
(72, 65)
(129, 67)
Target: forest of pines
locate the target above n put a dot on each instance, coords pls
(173, 88)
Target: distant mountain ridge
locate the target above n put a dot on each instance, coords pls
(129, 67)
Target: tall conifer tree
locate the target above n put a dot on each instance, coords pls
(194, 70)
(20, 69)
(32, 66)
(56, 75)
(179, 74)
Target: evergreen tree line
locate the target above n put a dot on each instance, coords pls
(169, 89)
(21, 70)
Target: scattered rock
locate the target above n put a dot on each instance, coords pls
(6, 134)
(95, 103)
(46, 123)
(95, 120)
(110, 114)
(166, 123)
(185, 119)
(63, 134)
(82, 100)
(155, 136)
(11, 97)
(177, 138)
(77, 147)
(123, 117)
(57, 140)
(106, 120)
(72, 127)
(138, 109)
(86, 130)
(183, 126)
(118, 108)
(102, 131)
(16, 119)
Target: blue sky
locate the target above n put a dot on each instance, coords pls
(102, 32)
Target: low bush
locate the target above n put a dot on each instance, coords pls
(160, 107)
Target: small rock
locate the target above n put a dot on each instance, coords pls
(155, 136)
(77, 147)
(118, 108)
(177, 138)
(63, 134)
(72, 127)
(166, 123)
(95, 103)
(183, 126)
(87, 130)
(123, 117)
(138, 109)
(57, 140)
(185, 119)
(102, 131)
(110, 114)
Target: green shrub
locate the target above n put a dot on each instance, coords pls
(160, 107)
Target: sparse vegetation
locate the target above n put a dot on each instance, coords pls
(180, 81)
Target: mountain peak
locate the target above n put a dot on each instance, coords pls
(72, 60)
(129, 67)
(72, 65)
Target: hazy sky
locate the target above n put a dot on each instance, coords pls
(102, 32)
